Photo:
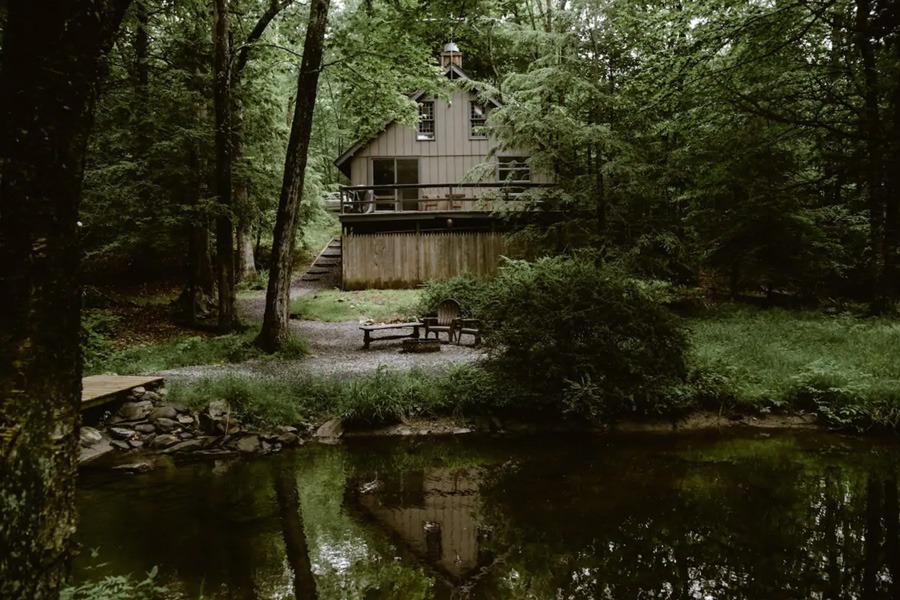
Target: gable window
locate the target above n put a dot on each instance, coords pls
(426, 121)
(477, 117)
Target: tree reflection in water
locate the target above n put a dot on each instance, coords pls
(762, 517)
(296, 548)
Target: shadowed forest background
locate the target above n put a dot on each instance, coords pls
(158, 158)
(743, 146)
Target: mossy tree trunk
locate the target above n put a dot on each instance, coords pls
(52, 58)
(275, 322)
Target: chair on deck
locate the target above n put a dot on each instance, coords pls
(428, 204)
(445, 321)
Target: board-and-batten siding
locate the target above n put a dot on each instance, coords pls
(405, 260)
(446, 159)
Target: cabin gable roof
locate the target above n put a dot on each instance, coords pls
(452, 72)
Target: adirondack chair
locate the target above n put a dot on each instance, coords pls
(468, 326)
(445, 321)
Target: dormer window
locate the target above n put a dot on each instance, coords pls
(477, 117)
(426, 121)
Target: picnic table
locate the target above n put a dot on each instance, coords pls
(368, 329)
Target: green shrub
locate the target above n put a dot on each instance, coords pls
(96, 327)
(254, 400)
(845, 398)
(569, 333)
(117, 588)
(841, 367)
(471, 293)
(385, 397)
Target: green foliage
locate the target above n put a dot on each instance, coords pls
(471, 292)
(117, 588)
(96, 326)
(841, 367)
(379, 305)
(190, 351)
(570, 332)
(385, 397)
(255, 400)
(257, 282)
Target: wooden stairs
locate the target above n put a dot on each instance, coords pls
(327, 266)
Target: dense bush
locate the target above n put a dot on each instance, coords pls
(471, 293)
(569, 332)
(96, 328)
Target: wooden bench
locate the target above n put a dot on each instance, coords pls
(368, 329)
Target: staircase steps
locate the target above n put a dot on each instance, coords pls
(327, 264)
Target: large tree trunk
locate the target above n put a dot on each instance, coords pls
(201, 285)
(246, 261)
(891, 247)
(228, 319)
(246, 256)
(275, 322)
(52, 57)
(871, 132)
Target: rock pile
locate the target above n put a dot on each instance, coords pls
(147, 421)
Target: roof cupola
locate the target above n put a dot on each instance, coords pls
(451, 55)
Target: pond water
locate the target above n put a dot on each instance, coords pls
(702, 516)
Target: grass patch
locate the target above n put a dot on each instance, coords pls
(378, 305)
(843, 367)
(386, 397)
(187, 352)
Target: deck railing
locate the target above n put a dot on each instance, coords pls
(432, 197)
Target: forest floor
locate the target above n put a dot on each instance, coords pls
(743, 360)
(335, 349)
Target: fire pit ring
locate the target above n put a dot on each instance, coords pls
(421, 345)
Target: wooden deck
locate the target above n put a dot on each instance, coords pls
(100, 389)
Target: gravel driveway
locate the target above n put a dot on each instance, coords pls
(336, 350)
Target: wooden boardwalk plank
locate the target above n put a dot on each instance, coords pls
(100, 389)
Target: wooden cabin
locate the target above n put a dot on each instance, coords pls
(410, 214)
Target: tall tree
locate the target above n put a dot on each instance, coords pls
(275, 322)
(52, 57)
(246, 265)
(228, 317)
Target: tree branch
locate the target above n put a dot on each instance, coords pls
(275, 7)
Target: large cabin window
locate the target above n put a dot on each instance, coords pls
(393, 171)
(477, 117)
(512, 170)
(426, 121)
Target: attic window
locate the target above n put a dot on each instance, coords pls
(426, 121)
(477, 117)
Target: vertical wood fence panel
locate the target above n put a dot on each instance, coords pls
(404, 260)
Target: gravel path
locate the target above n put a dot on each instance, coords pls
(336, 350)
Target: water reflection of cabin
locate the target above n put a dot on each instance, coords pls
(407, 215)
(435, 514)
